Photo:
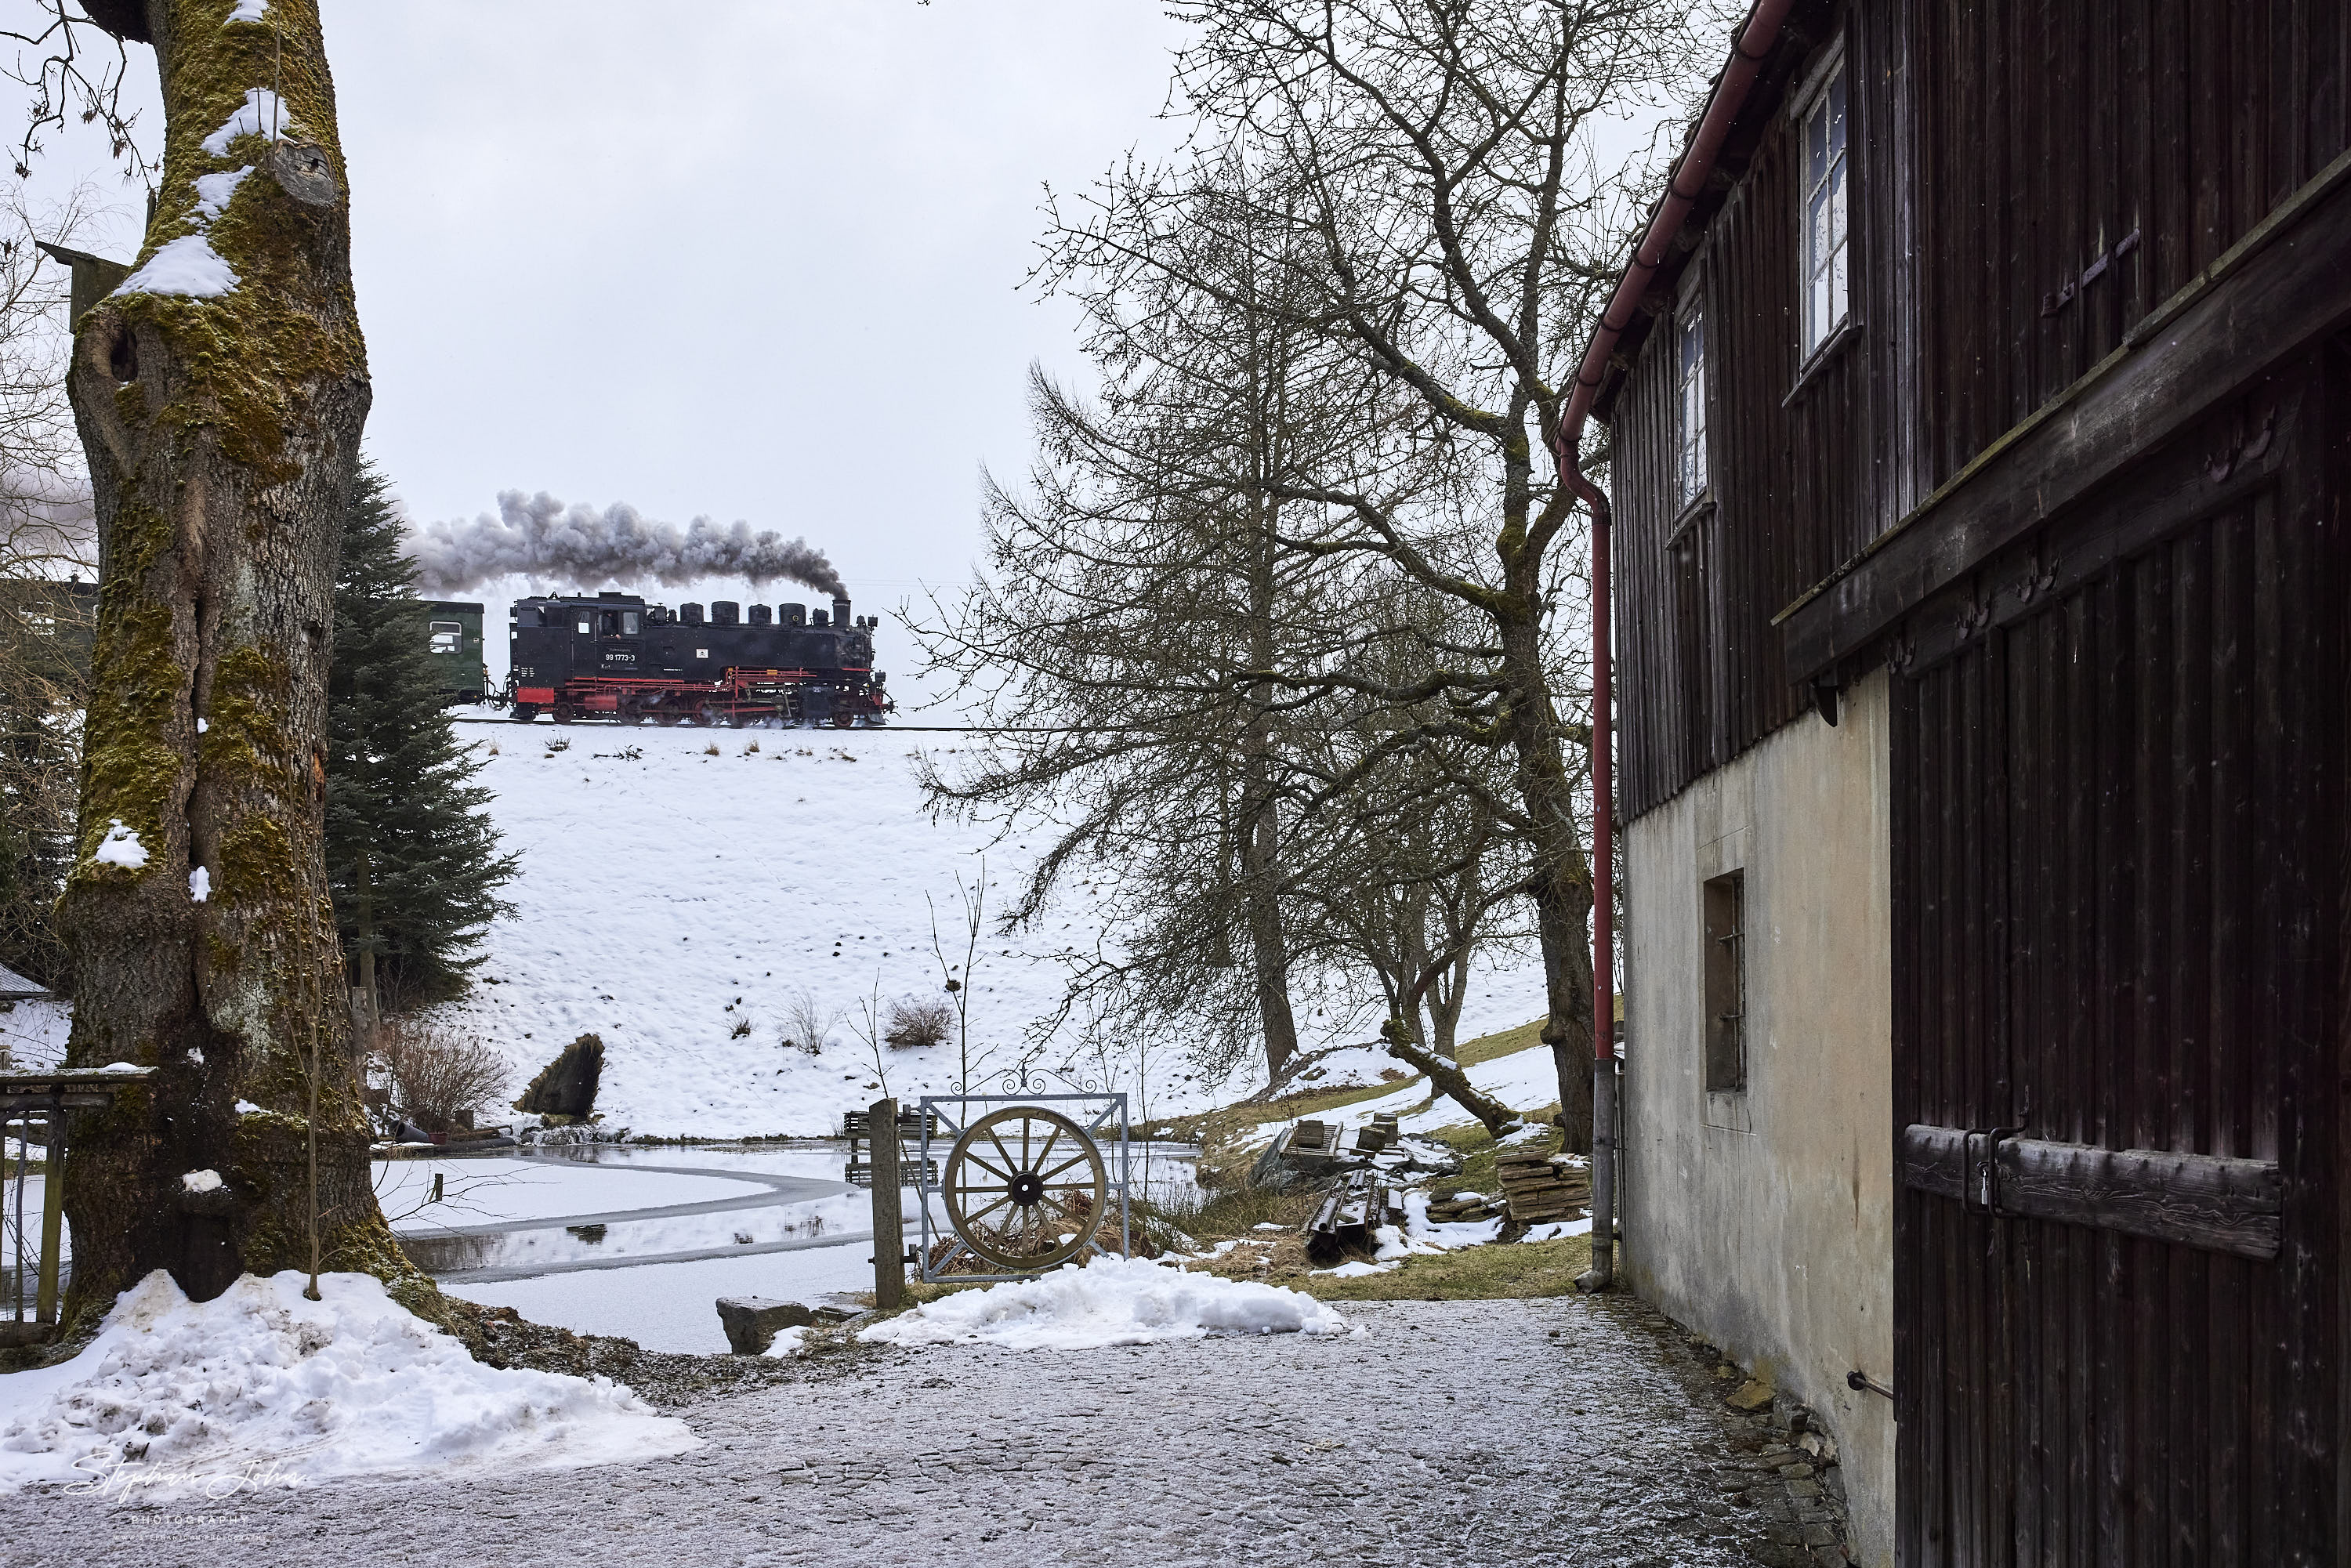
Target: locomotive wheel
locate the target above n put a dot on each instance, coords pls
(523, 713)
(1025, 1189)
(844, 720)
(565, 712)
(632, 713)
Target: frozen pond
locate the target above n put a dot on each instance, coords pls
(642, 1241)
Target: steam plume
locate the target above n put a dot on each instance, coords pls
(538, 536)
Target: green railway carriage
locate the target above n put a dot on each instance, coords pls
(455, 629)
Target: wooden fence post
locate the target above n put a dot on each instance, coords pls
(889, 1215)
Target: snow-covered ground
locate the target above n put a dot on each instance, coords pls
(669, 899)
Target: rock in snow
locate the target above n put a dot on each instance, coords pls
(1110, 1301)
(260, 1389)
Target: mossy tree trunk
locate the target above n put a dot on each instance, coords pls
(222, 425)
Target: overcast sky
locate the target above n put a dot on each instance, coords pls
(748, 259)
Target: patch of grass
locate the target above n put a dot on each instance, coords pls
(1510, 1041)
(1503, 1272)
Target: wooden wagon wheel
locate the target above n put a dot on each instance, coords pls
(1025, 1187)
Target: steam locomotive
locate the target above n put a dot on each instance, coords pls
(616, 658)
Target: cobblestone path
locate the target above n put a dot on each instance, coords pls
(1560, 1431)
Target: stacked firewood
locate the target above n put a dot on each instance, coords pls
(1540, 1190)
(1462, 1207)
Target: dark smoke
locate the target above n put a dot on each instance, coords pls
(538, 536)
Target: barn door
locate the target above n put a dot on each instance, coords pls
(2119, 1063)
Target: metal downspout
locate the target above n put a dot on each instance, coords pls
(1753, 46)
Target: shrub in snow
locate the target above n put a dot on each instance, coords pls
(259, 1387)
(917, 1020)
(807, 1023)
(1110, 1301)
(439, 1071)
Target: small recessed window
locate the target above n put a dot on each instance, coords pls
(1826, 232)
(583, 626)
(446, 635)
(1689, 382)
(628, 623)
(1726, 983)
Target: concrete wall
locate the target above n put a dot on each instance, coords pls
(1764, 1219)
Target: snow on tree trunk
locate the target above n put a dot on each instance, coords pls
(220, 394)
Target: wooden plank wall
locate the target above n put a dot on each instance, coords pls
(2051, 131)
(1792, 472)
(2001, 148)
(2118, 849)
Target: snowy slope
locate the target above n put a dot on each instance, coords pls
(656, 891)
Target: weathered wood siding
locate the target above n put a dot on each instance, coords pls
(1790, 454)
(2029, 178)
(2053, 132)
(2118, 852)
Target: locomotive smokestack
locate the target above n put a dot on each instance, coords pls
(839, 610)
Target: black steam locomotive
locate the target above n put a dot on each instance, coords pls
(616, 658)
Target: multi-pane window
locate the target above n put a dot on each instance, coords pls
(1689, 382)
(1726, 982)
(1826, 230)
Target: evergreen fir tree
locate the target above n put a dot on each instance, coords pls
(411, 854)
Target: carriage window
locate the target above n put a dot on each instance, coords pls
(526, 618)
(583, 626)
(627, 622)
(446, 635)
(1824, 212)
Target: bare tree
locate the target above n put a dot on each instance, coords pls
(47, 549)
(1432, 188)
(219, 393)
(1134, 585)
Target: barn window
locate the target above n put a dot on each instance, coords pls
(1726, 982)
(1826, 232)
(1690, 396)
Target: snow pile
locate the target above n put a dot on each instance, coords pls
(1557, 1230)
(122, 846)
(1112, 1300)
(187, 265)
(248, 11)
(261, 1388)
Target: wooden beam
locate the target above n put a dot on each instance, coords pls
(889, 1216)
(2206, 1201)
(2284, 287)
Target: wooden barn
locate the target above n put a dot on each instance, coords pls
(1980, 450)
